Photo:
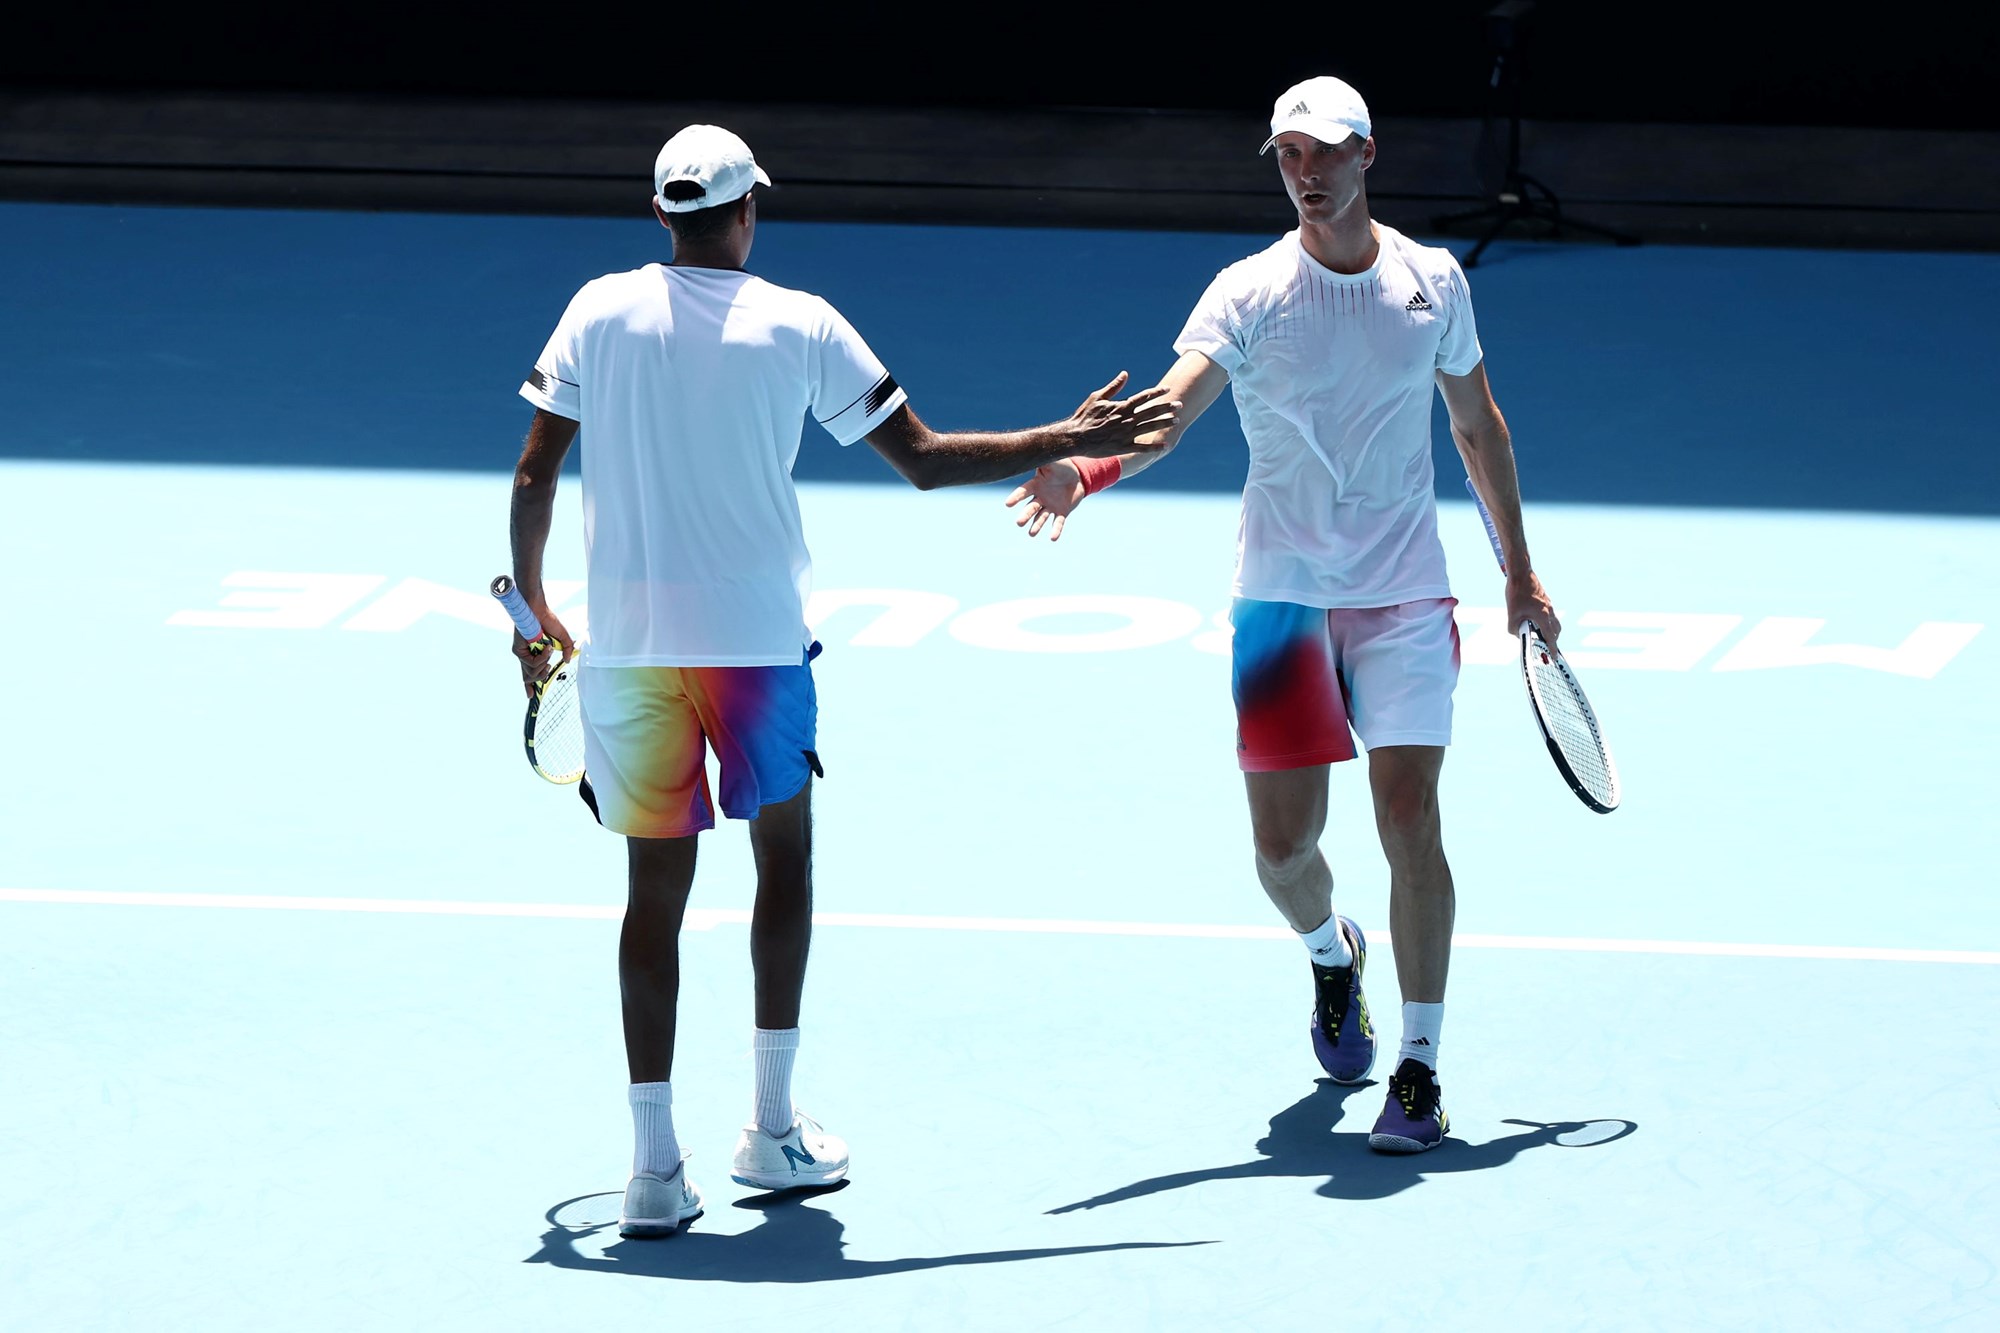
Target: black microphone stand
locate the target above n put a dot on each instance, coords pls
(1520, 198)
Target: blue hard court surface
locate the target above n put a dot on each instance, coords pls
(1723, 1059)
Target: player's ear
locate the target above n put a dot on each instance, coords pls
(1368, 152)
(661, 214)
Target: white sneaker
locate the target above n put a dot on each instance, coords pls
(805, 1157)
(658, 1205)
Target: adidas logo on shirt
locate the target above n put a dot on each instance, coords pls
(1417, 302)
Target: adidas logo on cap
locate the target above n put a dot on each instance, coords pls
(1324, 107)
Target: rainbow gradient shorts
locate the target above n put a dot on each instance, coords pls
(647, 732)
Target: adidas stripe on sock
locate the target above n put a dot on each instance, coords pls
(655, 1149)
(1327, 943)
(774, 1049)
(1420, 1032)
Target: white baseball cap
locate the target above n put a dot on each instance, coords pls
(1326, 108)
(712, 158)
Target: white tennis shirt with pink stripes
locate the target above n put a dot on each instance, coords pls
(1333, 375)
(691, 387)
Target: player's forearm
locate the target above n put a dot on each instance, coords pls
(1152, 448)
(533, 508)
(530, 516)
(1193, 381)
(1488, 452)
(968, 458)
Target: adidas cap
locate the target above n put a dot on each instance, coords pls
(1326, 108)
(711, 157)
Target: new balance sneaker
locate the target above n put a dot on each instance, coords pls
(1343, 1036)
(1411, 1120)
(659, 1205)
(803, 1158)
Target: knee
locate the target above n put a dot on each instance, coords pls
(649, 969)
(659, 870)
(1283, 847)
(1408, 812)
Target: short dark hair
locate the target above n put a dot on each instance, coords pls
(697, 224)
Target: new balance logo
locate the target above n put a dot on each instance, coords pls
(798, 1157)
(1300, 110)
(1417, 302)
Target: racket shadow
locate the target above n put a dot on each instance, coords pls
(1304, 1141)
(1373, 1175)
(796, 1241)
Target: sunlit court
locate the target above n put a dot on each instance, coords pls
(306, 981)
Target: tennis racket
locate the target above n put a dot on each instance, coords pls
(1562, 712)
(554, 729)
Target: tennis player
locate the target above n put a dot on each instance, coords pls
(1332, 339)
(691, 381)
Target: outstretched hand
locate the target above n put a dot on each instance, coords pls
(1053, 492)
(1104, 425)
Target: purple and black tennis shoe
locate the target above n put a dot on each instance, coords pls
(1411, 1120)
(1343, 1036)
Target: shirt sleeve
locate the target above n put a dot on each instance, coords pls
(1215, 328)
(1458, 351)
(852, 392)
(554, 383)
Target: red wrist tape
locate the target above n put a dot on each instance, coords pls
(1097, 473)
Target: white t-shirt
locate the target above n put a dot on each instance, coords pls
(1333, 376)
(691, 386)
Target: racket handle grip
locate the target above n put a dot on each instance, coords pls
(518, 610)
(1492, 533)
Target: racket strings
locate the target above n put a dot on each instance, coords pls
(1572, 725)
(556, 740)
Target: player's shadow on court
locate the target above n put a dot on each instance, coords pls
(798, 1241)
(1302, 1142)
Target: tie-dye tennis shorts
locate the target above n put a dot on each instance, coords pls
(647, 732)
(1308, 680)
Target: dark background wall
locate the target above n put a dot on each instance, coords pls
(1695, 123)
(1908, 66)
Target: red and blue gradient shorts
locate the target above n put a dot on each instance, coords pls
(647, 731)
(1308, 680)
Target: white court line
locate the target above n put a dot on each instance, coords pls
(707, 918)
(270, 903)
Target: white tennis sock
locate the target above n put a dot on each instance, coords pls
(1327, 944)
(1420, 1032)
(655, 1149)
(774, 1049)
